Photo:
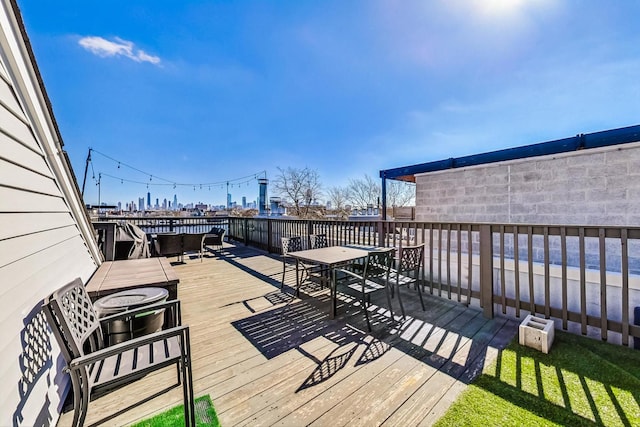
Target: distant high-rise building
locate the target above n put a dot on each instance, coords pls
(228, 200)
(244, 202)
(157, 203)
(262, 197)
(141, 203)
(175, 202)
(164, 204)
(148, 200)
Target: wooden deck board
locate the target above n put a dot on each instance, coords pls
(268, 358)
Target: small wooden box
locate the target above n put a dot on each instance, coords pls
(537, 333)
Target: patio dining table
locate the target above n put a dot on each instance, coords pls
(330, 257)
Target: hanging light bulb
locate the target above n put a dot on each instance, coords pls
(118, 165)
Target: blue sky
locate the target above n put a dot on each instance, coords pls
(197, 92)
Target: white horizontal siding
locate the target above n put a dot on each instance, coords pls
(8, 98)
(16, 200)
(16, 128)
(19, 224)
(14, 249)
(21, 155)
(16, 176)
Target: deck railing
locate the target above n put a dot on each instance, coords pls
(155, 225)
(587, 278)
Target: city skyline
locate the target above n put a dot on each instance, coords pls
(167, 203)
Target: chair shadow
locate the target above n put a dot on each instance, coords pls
(36, 363)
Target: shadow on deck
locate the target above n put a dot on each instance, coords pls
(266, 357)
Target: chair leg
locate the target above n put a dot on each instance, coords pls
(187, 384)
(400, 301)
(420, 295)
(81, 400)
(366, 312)
(389, 301)
(284, 269)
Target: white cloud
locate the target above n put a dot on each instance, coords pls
(105, 48)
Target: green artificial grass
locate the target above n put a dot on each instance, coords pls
(205, 416)
(581, 382)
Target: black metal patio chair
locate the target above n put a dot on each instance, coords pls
(322, 273)
(407, 272)
(374, 278)
(294, 244)
(96, 369)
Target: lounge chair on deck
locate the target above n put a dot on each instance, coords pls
(214, 237)
(176, 244)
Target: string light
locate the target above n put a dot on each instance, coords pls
(219, 184)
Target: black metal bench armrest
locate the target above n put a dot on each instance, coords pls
(120, 348)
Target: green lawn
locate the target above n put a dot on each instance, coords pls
(581, 381)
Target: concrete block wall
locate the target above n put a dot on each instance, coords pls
(596, 187)
(589, 187)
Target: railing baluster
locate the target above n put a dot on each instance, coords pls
(449, 261)
(439, 260)
(459, 237)
(547, 279)
(424, 261)
(532, 300)
(516, 268)
(583, 286)
(469, 262)
(625, 286)
(563, 248)
(603, 284)
(431, 258)
(503, 286)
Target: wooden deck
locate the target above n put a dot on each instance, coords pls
(267, 358)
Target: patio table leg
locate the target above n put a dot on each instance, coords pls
(333, 293)
(297, 278)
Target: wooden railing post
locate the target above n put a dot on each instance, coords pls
(381, 234)
(486, 270)
(246, 231)
(309, 232)
(170, 225)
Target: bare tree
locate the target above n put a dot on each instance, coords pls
(400, 193)
(367, 191)
(338, 196)
(299, 188)
(363, 192)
